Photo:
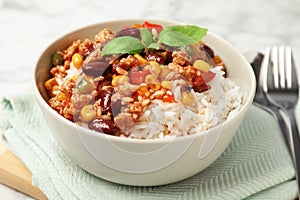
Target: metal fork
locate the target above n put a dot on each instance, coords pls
(281, 87)
(255, 59)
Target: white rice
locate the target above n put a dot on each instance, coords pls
(212, 107)
(163, 119)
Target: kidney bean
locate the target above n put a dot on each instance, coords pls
(207, 50)
(116, 107)
(133, 32)
(154, 57)
(103, 44)
(94, 68)
(167, 55)
(102, 125)
(105, 99)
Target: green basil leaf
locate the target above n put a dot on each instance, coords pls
(123, 45)
(194, 32)
(147, 37)
(174, 38)
(153, 46)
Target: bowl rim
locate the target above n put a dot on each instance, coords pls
(42, 102)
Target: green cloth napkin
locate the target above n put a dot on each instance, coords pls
(256, 164)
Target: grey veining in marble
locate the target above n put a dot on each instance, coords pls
(28, 26)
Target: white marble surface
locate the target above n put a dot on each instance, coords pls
(28, 26)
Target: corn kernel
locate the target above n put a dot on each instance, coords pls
(123, 79)
(157, 86)
(151, 79)
(115, 80)
(147, 67)
(153, 87)
(143, 90)
(201, 65)
(166, 84)
(153, 63)
(49, 84)
(61, 96)
(74, 78)
(164, 71)
(187, 98)
(77, 60)
(142, 61)
(121, 71)
(88, 113)
(155, 67)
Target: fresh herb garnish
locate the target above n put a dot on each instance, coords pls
(153, 46)
(194, 32)
(172, 36)
(146, 37)
(122, 45)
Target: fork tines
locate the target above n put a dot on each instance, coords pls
(281, 58)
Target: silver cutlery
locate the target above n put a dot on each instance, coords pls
(260, 100)
(277, 90)
(279, 81)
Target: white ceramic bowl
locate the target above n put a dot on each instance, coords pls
(143, 162)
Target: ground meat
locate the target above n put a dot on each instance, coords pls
(69, 52)
(126, 63)
(79, 100)
(63, 107)
(98, 108)
(187, 72)
(124, 121)
(86, 47)
(59, 71)
(155, 57)
(67, 87)
(68, 111)
(181, 58)
(103, 36)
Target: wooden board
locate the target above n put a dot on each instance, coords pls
(14, 174)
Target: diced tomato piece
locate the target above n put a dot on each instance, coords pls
(138, 77)
(150, 26)
(208, 76)
(199, 83)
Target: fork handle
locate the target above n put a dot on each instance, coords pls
(295, 143)
(283, 127)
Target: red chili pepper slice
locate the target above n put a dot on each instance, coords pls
(151, 26)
